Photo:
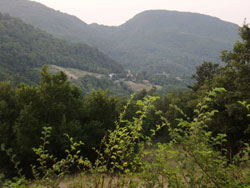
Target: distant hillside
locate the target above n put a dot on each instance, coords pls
(153, 42)
(57, 23)
(167, 41)
(22, 48)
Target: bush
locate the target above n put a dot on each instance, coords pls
(194, 157)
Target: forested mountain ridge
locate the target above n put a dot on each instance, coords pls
(23, 48)
(55, 22)
(152, 42)
(169, 41)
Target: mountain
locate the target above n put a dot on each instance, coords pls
(24, 49)
(58, 24)
(167, 41)
(153, 43)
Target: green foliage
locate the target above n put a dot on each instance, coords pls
(25, 110)
(24, 48)
(127, 158)
(235, 78)
(100, 112)
(50, 103)
(12, 157)
(16, 182)
(190, 158)
(48, 174)
(204, 73)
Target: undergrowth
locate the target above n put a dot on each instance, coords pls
(194, 157)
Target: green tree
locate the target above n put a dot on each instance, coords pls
(100, 112)
(204, 73)
(8, 114)
(235, 78)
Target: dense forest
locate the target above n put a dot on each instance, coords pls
(200, 136)
(25, 49)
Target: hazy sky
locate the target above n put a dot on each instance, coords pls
(116, 12)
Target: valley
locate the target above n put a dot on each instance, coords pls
(151, 43)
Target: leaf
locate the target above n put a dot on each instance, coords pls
(2, 147)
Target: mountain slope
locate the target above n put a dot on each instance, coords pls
(169, 41)
(156, 41)
(22, 48)
(58, 24)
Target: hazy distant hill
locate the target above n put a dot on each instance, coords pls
(156, 41)
(23, 48)
(170, 41)
(57, 23)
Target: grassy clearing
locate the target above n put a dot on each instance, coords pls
(73, 73)
(140, 86)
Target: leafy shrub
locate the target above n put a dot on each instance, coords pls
(194, 157)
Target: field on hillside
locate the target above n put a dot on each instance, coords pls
(73, 73)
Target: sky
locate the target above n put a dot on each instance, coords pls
(116, 12)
